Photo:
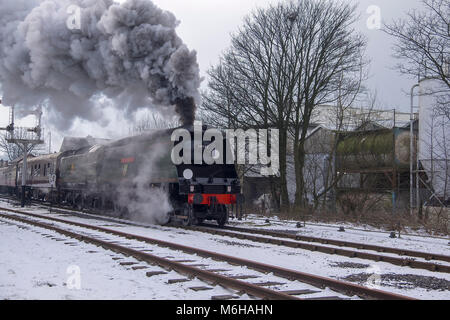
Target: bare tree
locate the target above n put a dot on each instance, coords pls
(423, 46)
(152, 121)
(284, 62)
(252, 85)
(14, 151)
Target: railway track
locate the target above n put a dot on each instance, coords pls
(406, 257)
(337, 226)
(184, 265)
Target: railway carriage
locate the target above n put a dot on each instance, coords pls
(8, 177)
(41, 175)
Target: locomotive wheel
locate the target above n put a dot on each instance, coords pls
(224, 216)
(78, 202)
(124, 213)
(188, 211)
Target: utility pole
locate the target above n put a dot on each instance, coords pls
(411, 153)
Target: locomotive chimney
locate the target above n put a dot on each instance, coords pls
(186, 109)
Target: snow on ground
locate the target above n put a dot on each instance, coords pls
(437, 245)
(416, 283)
(35, 267)
(178, 256)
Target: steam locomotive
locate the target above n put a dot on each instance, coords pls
(107, 177)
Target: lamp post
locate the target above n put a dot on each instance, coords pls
(411, 154)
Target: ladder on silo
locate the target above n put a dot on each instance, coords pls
(11, 115)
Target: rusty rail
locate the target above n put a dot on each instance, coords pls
(342, 243)
(404, 262)
(205, 275)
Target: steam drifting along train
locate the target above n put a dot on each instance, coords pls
(111, 177)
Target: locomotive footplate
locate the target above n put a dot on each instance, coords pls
(202, 207)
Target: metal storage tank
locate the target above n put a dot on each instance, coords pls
(376, 149)
(434, 137)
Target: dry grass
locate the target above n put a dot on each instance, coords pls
(378, 214)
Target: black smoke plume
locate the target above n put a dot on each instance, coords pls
(76, 57)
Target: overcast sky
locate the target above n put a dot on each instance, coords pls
(206, 25)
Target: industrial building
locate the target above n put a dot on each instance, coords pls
(360, 152)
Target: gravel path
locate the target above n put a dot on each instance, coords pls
(403, 281)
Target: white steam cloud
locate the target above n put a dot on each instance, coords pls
(144, 202)
(123, 55)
